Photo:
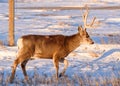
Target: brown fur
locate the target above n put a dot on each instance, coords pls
(55, 47)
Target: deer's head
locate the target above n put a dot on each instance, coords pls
(84, 36)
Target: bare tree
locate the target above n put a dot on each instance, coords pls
(11, 23)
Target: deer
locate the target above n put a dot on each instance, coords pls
(55, 47)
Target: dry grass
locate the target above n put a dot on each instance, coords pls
(43, 80)
(110, 39)
(2, 45)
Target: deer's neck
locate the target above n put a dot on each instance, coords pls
(72, 42)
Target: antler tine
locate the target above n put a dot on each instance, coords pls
(85, 16)
(92, 21)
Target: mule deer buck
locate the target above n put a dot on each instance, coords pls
(55, 47)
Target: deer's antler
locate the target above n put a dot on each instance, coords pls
(85, 16)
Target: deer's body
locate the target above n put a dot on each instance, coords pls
(55, 47)
(40, 46)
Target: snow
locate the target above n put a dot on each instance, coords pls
(106, 36)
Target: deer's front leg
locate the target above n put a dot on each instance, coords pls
(56, 65)
(65, 66)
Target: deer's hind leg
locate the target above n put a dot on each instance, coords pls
(65, 66)
(16, 62)
(23, 64)
(21, 57)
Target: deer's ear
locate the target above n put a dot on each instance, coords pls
(80, 28)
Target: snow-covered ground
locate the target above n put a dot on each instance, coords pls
(102, 58)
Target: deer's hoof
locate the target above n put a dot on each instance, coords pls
(61, 74)
(11, 80)
(27, 79)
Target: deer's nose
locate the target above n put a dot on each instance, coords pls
(92, 42)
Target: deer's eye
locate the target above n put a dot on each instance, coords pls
(87, 36)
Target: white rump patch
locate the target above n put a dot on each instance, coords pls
(20, 43)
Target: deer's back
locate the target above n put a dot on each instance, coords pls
(43, 45)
